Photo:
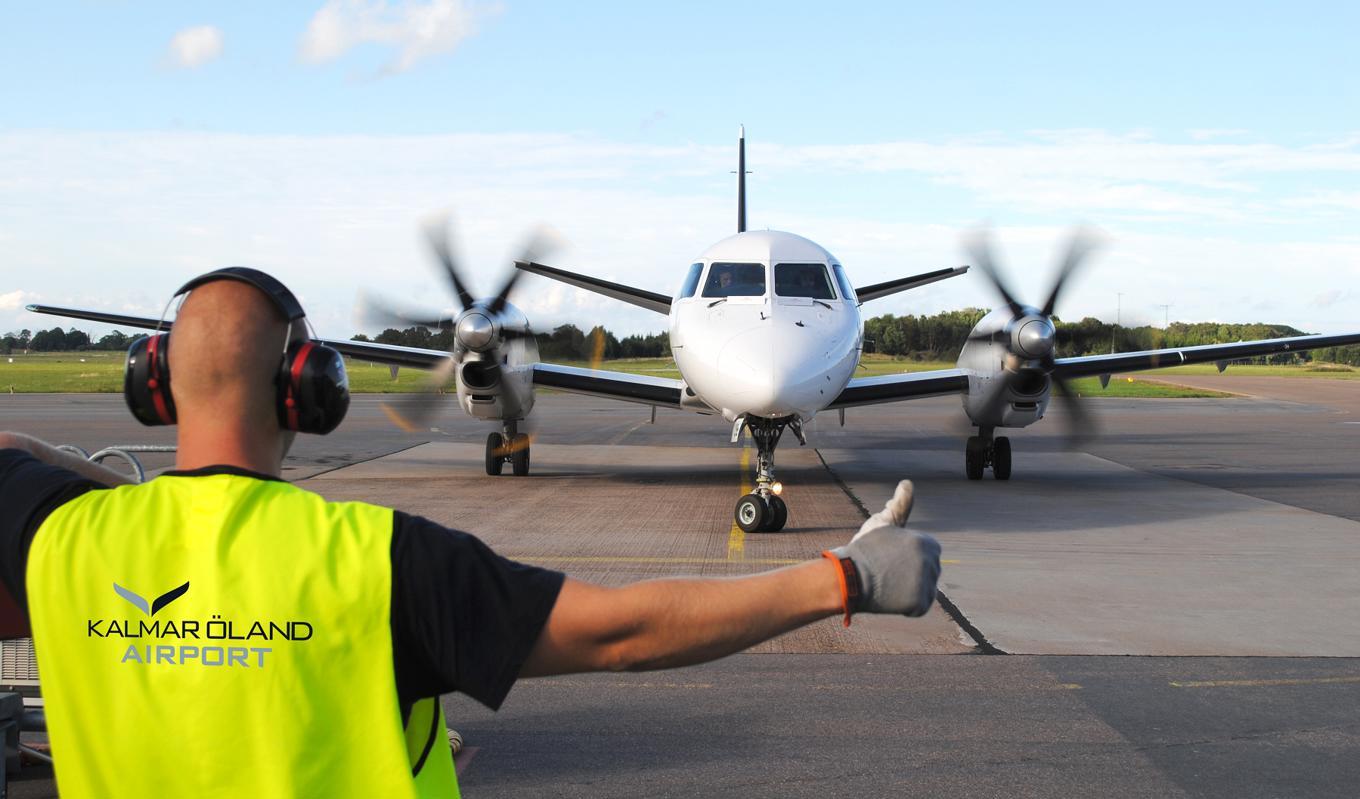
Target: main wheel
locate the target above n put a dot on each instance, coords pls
(1001, 458)
(751, 513)
(974, 458)
(495, 460)
(519, 455)
(779, 515)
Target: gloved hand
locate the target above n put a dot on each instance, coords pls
(897, 569)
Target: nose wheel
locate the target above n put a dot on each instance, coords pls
(758, 514)
(983, 451)
(762, 510)
(510, 447)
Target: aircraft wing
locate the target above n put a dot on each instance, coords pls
(1176, 356)
(903, 283)
(659, 391)
(895, 388)
(642, 298)
(388, 354)
(143, 322)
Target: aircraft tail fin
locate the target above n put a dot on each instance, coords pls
(741, 179)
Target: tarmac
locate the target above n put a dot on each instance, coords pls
(1171, 609)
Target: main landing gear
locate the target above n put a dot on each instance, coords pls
(511, 447)
(762, 510)
(984, 450)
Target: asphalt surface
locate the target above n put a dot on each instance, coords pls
(1189, 530)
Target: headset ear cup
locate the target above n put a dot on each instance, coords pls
(146, 381)
(313, 389)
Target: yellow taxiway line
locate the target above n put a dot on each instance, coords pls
(1265, 683)
(736, 539)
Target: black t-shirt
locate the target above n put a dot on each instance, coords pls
(463, 618)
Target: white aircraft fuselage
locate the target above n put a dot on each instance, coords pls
(766, 325)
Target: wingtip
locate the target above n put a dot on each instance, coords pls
(741, 131)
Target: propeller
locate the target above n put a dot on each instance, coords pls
(479, 326)
(1030, 336)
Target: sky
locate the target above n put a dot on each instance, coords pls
(1216, 146)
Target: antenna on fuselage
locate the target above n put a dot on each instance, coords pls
(741, 179)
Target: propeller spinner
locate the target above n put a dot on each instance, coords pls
(480, 327)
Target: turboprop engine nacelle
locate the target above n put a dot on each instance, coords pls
(1006, 385)
(495, 354)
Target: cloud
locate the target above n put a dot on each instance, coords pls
(1090, 172)
(333, 214)
(193, 47)
(1331, 297)
(415, 30)
(15, 300)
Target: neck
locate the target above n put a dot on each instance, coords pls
(224, 443)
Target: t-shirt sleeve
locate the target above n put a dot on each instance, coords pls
(463, 618)
(29, 491)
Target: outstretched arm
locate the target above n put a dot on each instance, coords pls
(661, 624)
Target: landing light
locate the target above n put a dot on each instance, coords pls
(777, 488)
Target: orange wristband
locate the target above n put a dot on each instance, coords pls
(849, 580)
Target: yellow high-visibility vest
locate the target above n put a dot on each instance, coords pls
(225, 636)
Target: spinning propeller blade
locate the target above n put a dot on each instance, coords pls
(1036, 361)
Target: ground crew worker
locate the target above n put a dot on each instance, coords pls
(217, 631)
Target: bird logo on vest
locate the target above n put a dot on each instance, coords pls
(150, 608)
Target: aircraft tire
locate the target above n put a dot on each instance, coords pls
(1001, 458)
(779, 515)
(495, 462)
(751, 513)
(973, 458)
(519, 457)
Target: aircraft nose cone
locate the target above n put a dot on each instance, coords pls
(1035, 338)
(772, 375)
(475, 331)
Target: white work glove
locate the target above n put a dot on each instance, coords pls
(897, 569)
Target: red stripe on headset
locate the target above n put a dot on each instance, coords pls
(155, 383)
(295, 384)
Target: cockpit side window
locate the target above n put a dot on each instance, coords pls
(691, 283)
(847, 290)
(802, 280)
(735, 280)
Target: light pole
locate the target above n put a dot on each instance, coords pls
(1166, 316)
(1118, 308)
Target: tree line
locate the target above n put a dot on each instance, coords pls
(937, 337)
(58, 340)
(564, 343)
(940, 337)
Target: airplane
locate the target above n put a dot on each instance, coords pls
(766, 331)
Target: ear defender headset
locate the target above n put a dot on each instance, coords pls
(311, 389)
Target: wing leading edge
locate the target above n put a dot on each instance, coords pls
(884, 289)
(652, 301)
(1088, 365)
(895, 388)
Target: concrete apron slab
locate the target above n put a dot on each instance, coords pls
(1079, 555)
(615, 514)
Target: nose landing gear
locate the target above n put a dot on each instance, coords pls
(509, 447)
(984, 450)
(762, 510)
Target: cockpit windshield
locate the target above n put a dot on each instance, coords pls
(691, 281)
(735, 280)
(802, 280)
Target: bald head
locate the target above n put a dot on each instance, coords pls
(225, 349)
